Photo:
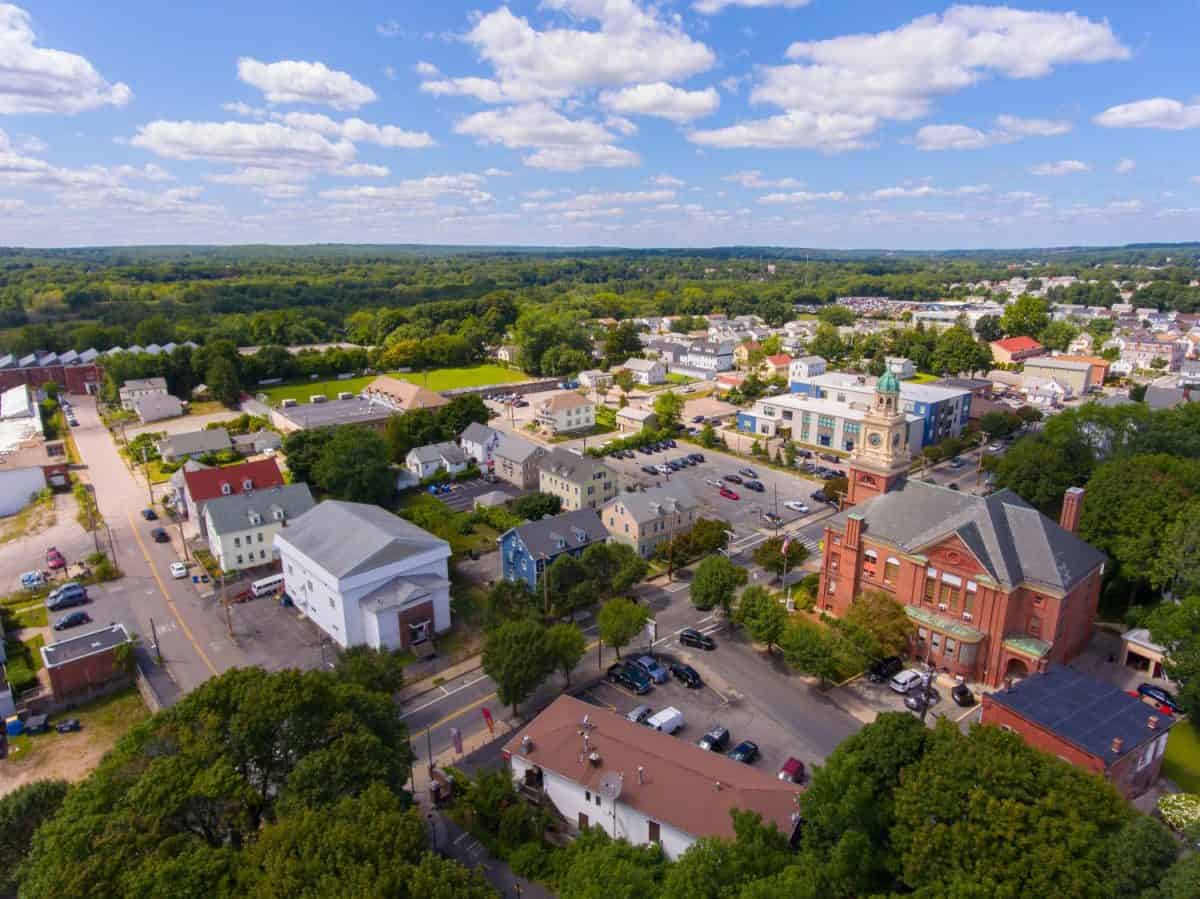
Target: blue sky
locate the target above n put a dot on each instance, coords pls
(617, 122)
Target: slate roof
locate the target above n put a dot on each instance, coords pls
(571, 467)
(228, 514)
(515, 449)
(642, 365)
(541, 538)
(1085, 712)
(379, 537)
(206, 441)
(649, 504)
(144, 384)
(157, 406)
(1012, 540)
(451, 453)
(399, 592)
(477, 433)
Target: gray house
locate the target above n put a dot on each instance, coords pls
(194, 443)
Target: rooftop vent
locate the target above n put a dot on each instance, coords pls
(1117, 743)
(1152, 722)
(594, 759)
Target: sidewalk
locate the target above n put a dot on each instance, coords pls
(429, 670)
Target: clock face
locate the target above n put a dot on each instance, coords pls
(874, 440)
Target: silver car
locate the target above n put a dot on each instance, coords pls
(905, 680)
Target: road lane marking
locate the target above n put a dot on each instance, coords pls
(448, 693)
(476, 704)
(170, 602)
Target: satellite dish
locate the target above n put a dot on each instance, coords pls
(611, 784)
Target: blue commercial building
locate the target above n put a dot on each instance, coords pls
(525, 551)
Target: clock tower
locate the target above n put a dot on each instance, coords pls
(881, 456)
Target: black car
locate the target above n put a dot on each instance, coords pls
(629, 677)
(696, 419)
(68, 725)
(160, 535)
(670, 443)
(748, 472)
(687, 675)
(715, 740)
(1161, 696)
(689, 636)
(645, 450)
(149, 514)
(829, 457)
(962, 695)
(696, 457)
(819, 496)
(649, 469)
(745, 752)
(917, 697)
(674, 465)
(756, 486)
(732, 478)
(884, 669)
(804, 454)
(75, 619)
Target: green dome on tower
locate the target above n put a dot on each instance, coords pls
(888, 383)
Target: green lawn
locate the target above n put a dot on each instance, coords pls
(24, 661)
(676, 378)
(921, 378)
(1182, 761)
(438, 379)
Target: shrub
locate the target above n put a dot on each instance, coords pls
(1180, 810)
(531, 860)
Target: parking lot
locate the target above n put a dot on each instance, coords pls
(866, 698)
(462, 496)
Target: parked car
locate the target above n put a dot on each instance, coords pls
(671, 443)
(697, 419)
(696, 457)
(36, 724)
(957, 462)
(792, 771)
(731, 478)
(68, 595)
(32, 579)
(796, 506)
(1161, 696)
(917, 699)
(884, 669)
(54, 559)
(819, 496)
(748, 472)
(828, 457)
(771, 518)
(804, 454)
(669, 720)
(995, 447)
(687, 675)
(962, 695)
(149, 515)
(73, 619)
(756, 486)
(905, 680)
(713, 482)
(68, 725)
(639, 714)
(745, 752)
(729, 494)
(689, 636)
(652, 668)
(160, 535)
(178, 570)
(953, 486)
(649, 469)
(663, 468)
(629, 677)
(715, 740)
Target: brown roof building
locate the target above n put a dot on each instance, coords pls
(401, 395)
(599, 769)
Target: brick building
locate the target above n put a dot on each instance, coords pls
(1088, 723)
(78, 664)
(995, 588)
(73, 372)
(1016, 349)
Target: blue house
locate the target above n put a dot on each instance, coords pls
(525, 551)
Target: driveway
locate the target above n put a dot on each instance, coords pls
(28, 551)
(182, 425)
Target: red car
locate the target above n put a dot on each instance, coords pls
(55, 559)
(729, 494)
(792, 771)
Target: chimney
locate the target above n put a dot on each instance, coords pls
(1152, 722)
(1117, 743)
(1071, 509)
(854, 523)
(641, 775)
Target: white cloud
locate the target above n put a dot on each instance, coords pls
(839, 91)
(37, 80)
(752, 178)
(632, 45)
(31, 143)
(419, 192)
(357, 131)
(261, 144)
(1125, 166)
(919, 191)
(278, 184)
(1018, 127)
(1159, 112)
(1062, 167)
(606, 199)
(712, 7)
(621, 124)
(389, 72)
(426, 69)
(295, 81)
(497, 173)
(390, 28)
(1009, 129)
(1195, 179)
(245, 109)
(662, 100)
(362, 170)
(560, 143)
(801, 196)
(667, 181)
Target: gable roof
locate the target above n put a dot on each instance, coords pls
(642, 365)
(571, 467)
(574, 529)
(1085, 712)
(207, 441)
(404, 395)
(653, 502)
(144, 384)
(227, 514)
(565, 400)
(204, 483)
(477, 433)
(379, 537)
(1016, 344)
(683, 785)
(450, 453)
(1013, 541)
(516, 449)
(779, 359)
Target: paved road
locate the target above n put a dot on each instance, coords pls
(192, 638)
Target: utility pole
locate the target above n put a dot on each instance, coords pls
(154, 637)
(146, 471)
(91, 515)
(183, 540)
(225, 603)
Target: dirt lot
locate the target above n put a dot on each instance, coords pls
(71, 756)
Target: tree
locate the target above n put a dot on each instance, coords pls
(375, 670)
(621, 342)
(957, 350)
(713, 868)
(625, 380)
(1178, 565)
(21, 813)
(668, 407)
(508, 601)
(994, 424)
(568, 586)
(620, 621)
(715, 583)
(461, 411)
(770, 555)
(1026, 316)
(1182, 881)
(595, 866)
(989, 328)
(612, 569)
(536, 506)
(708, 436)
(1137, 857)
(1058, 335)
(837, 316)
(1176, 626)
(303, 450)
(355, 467)
(1039, 469)
(566, 645)
(221, 376)
(884, 620)
(826, 342)
(516, 655)
(810, 650)
(762, 615)
(417, 427)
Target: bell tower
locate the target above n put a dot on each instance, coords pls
(881, 456)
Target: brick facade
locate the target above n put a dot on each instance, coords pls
(72, 378)
(415, 615)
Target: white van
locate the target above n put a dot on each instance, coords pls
(267, 585)
(668, 720)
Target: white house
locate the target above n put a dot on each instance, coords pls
(595, 379)
(646, 371)
(600, 770)
(806, 367)
(364, 575)
(241, 527)
(900, 366)
(424, 461)
(137, 388)
(478, 442)
(709, 357)
(567, 411)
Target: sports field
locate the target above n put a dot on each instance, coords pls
(437, 379)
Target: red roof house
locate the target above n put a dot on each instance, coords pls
(1015, 349)
(208, 483)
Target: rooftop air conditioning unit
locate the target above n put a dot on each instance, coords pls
(317, 398)
(288, 403)
(345, 395)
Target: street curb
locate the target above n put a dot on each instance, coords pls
(407, 693)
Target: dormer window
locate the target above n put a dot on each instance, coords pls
(226, 489)
(247, 484)
(279, 514)
(255, 518)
